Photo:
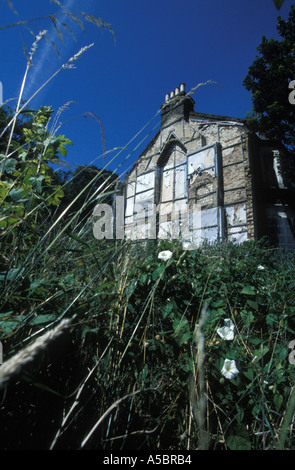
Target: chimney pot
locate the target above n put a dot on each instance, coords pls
(167, 97)
(172, 94)
(182, 87)
(177, 91)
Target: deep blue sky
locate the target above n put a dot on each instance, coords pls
(159, 44)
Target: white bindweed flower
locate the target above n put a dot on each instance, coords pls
(260, 268)
(227, 331)
(229, 369)
(165, 255)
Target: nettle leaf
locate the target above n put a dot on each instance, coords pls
(10, 165)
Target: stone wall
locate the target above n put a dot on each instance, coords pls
(199, 162)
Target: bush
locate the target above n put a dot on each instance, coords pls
(138, 326)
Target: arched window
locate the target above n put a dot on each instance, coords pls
(171, 172)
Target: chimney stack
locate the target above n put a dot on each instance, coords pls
(177, 104)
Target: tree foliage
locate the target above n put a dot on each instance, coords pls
(278, 3)
(85, 187)
(268, 79)
(26, 177)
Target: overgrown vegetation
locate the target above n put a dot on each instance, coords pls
(134, 325)
(109, 346)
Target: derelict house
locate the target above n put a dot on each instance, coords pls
(206, 177)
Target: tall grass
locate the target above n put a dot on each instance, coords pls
(106, 346)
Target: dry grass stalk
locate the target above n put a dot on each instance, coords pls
(198, 398)
(12, 366)
(109, 410)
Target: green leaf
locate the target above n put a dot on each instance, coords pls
(54, 199)
(158, 271)
(253, 304)
(248, 290)
(185, 337)
(218, 303)
(42, 319)
(167, 309)
(37, 183)
(181, 330)
(12, 274)
(188, 365)
(278, 401)
(9, 165)
(258, 353)
(143, 278)
(247, 317)
(238, 438)
(249, 373)
(11, 323)
(63, 150)
(17, 195)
